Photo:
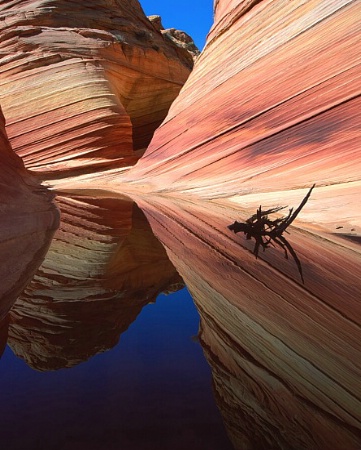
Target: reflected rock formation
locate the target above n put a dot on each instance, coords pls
(28, 219)
(4, 325)
(84, 84)
(103, 266)
(285, 357)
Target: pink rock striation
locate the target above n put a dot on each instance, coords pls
(83, 86)
(285, 357)
(270, 107)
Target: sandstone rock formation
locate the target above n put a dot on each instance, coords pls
(103, 266)
(178, 37)
(84, 85)
(28, 219)
(285, 357)
(270, 107)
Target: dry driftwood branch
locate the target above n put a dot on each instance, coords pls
(266, 231)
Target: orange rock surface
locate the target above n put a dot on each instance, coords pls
(28, 219)
(103, 266)
(271, 107)
(83, 86)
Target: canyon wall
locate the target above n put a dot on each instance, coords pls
(270, 107)
(28, 219)
(84, 86)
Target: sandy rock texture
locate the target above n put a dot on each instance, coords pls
(103, 266)
(28, 219)
(271, 107)
(179, 37)
(83, 85)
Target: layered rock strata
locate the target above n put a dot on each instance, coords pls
(28, 219)
(285, 356)
(84, 86)
(103, 266)
(270, 107)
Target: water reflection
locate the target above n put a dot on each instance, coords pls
(286, 359)
(103, 266)
(28, 220)
(4, 325)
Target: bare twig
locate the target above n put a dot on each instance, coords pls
(266, 231)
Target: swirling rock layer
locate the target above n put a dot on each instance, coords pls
(270, 107)
(103, 266)
(84, 85)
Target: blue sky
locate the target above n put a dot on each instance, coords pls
(195, 17)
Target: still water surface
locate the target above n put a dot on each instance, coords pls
(151, 391)
(99, 358)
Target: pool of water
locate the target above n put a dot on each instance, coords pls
(151, 391)
(97, 356)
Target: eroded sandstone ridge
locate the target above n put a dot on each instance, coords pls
(180, 38)
(83, 85)
(28, 219)
(270, 107)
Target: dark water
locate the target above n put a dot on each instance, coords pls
(152, 391)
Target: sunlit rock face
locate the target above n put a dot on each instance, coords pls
(285, 356)
(28, 219)
(103, 266)
(180, 38)
(84, 85)
(270, 107)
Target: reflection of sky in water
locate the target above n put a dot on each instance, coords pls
(153, 390)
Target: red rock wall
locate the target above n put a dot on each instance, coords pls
(28, 219)
(84, 85)
(271, 106)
